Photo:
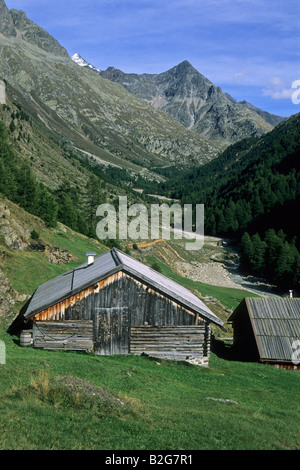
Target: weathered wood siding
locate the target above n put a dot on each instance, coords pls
(75, 335)
(170, 342)
(120, 290)
(115, 306)
(111, 331)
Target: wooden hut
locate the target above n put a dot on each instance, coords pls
(268, 330)
(114, 304)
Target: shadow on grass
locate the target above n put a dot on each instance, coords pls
(226, 350)
(222, 349)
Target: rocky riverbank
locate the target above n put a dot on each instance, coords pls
(222, 268)
(213, 273)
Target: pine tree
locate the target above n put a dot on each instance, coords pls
(296, 269)
(273, 246)
(12, 126)
(257, 206)
(282, 271)
(47, 209)
(230, 217)
(27, 188)
(94, 197)
(221, 225)
(246, 251)
(67, 209)
(257, 257)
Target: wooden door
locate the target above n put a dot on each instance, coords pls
(111, 335)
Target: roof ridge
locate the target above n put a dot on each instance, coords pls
(115, 256)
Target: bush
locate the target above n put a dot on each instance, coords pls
(35, 235)
(156, 267)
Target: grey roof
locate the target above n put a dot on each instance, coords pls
(76, 280)
(276, 325)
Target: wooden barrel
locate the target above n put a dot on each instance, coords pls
(25, 339)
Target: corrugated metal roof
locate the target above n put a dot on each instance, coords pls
(276, 325)
(74, 281)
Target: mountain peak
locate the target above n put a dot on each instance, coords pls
(7, 27)
(195, 102)
(13, 21)
(186, 71)
(79, 60)
(36, 35)
(185, 66)
(185, 63)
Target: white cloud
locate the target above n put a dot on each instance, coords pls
(278, 89)
(240, 76)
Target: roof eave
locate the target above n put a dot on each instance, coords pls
(72, 292)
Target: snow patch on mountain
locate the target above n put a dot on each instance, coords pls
(83, 63)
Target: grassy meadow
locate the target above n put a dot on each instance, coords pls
(52, 400)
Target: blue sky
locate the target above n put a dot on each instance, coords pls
(250, 48)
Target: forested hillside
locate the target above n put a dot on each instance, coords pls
(19, 184)
(253, 187)
(251, 192)
(27, 180)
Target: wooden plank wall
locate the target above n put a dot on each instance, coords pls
(66, 335)
(144, 303)
(77, 307)
(121, 290)
(111, 333)
(175, 342)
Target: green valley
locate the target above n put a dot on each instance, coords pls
(73, 138)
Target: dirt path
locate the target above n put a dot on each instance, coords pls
(145, 244)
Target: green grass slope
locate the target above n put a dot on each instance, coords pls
(66, 400)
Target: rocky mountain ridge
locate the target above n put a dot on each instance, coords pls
(194, 101)
(272, 119)
(15, 24)
(83, 111)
